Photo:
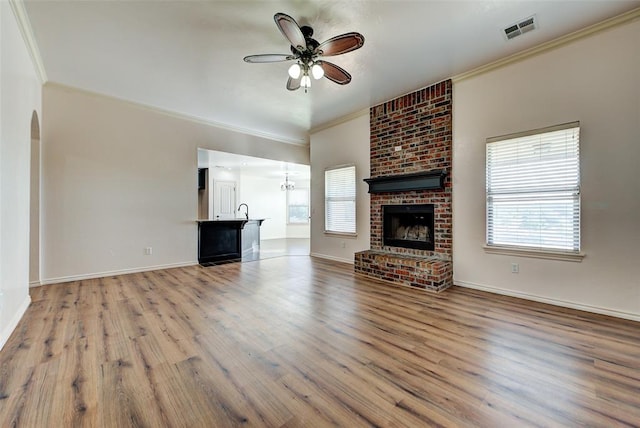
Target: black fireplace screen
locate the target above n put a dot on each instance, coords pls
(408, 226)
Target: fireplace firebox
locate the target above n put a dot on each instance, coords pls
(408, 226)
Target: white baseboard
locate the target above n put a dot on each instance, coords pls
(335, 259)
(114, 272)
(6, 331)
(556, 302)
(35, 284)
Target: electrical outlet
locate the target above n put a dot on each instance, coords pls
(397, 148)
(515, 268)
(148, 251)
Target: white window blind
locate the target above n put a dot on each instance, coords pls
(533, 189)
(340, 200)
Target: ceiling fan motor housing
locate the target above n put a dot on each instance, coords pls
(312, 44)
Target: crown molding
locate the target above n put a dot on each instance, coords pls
(182, 116)
(340, 120)
(20, 12)
(561, 41)
(553, 44)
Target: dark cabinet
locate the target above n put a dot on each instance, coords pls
(227, 240)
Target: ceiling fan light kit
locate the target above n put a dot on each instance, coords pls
(306, 51)
(305, 82)
(295, 70)
(317, 71)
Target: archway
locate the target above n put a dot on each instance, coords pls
(34, 204)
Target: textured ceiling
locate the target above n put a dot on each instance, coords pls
(186, 56)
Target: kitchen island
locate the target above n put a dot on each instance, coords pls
(230, 240)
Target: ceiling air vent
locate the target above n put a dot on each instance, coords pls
(521, 27)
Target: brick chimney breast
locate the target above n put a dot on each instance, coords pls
(412, 134)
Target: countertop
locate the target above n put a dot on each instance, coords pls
(231, 220)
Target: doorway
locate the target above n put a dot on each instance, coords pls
(260, 183)
(224, 197)
(34, 204)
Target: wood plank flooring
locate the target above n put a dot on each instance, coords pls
(298, 341)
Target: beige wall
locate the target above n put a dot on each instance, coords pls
(118, 178)
(346, 143)
(594, 80)
(20, 97)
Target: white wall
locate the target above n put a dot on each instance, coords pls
(265, 200)
(346, 143)
(118, 177)
(596, 81)
(19, 98)
(302, 231)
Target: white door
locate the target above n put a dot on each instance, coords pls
(224, 200)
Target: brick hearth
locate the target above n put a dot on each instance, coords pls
(429, 273)
(419, 123)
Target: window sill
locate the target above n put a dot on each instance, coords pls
(537, 254)
(343, 234)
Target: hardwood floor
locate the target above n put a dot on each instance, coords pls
(284, 247)
(297, 341)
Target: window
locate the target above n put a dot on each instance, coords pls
(533, 190)
(298, 206)
(340, 200)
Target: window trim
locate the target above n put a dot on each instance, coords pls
(355, 201)
(534, 253)
(524, 251)
(575, 124)
(342, 234)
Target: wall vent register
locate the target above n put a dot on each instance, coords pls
(520, 28)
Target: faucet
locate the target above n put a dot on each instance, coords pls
(247, 207)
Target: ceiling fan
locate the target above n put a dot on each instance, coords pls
(306, 51)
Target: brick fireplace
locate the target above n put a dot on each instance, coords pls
(408, 226)
(411, 139)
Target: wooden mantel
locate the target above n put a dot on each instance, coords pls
(430, 180)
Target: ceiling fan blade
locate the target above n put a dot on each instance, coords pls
(334, 73)
(293, 84)
(268, 58)
(341, 44)
(291, 30)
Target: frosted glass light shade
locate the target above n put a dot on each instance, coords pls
(317, 71)
(294, 71)
(305, 82)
